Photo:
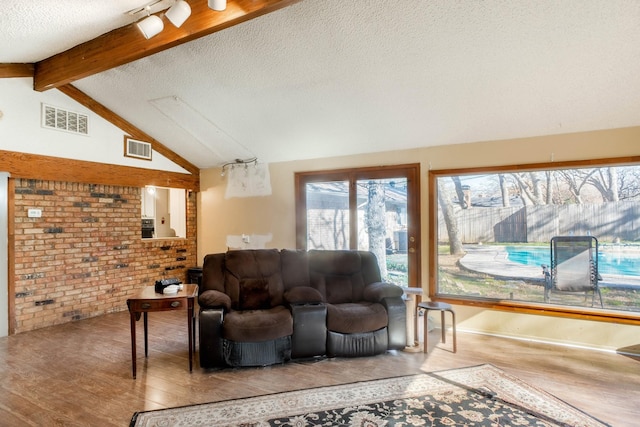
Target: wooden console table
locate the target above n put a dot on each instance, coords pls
(148, 300)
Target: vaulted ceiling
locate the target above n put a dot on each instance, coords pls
(286, 80)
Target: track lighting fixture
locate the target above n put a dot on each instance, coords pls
(238, 162)
(152, 25)
(177, 14)
(218, 5)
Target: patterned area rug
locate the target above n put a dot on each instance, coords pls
(476, 396)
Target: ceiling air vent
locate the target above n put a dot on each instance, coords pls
(68, 121)
(137, 149)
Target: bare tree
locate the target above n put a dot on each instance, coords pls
(504, 190)
(444, 198)
(376, 222)
(530, 186)
(628, 182)
(462, 201)
(606, 182)
(549, 176)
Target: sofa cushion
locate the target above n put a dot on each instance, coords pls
(337, 275)
(350, 318)
(250, 269)
(258, 325)
(295, 268)
(303, 295)
(254, 294)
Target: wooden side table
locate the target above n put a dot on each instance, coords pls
(442, 307)
(150, 301)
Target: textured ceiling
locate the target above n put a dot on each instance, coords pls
(332, 77)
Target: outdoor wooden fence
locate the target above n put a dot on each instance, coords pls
(608, 222)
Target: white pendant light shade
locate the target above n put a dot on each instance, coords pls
(178, 13)
(218, 5)
(150, 26)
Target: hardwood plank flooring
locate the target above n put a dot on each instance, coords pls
(79, 374)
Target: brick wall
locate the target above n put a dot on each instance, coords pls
(84, 257)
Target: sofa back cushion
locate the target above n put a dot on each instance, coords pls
(295, 268)
(212, 273)
(253, 279)
(341, 276)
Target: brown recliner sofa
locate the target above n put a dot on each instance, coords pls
(267, 306)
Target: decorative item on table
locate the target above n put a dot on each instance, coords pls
(166, 286)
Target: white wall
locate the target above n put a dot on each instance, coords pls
(21, 130)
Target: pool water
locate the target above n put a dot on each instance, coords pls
(616, 262)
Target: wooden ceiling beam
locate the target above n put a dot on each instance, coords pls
(134, 132)
(33, 166)
(127, 44)
(16, 70)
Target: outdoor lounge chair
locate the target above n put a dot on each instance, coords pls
(574, 267)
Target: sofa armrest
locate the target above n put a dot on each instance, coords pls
(214, 299)
(303, 295)
(377, 291)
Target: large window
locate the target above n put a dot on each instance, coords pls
(491, 233)
(372, 209)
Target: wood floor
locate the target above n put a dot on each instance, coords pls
(79, 374)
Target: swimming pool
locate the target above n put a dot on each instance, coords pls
(614, 262)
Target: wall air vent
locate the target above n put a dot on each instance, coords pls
(137, 149)
(68, 121)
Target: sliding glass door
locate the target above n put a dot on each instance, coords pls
(372, 209)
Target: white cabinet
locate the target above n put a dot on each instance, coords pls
(148, 202)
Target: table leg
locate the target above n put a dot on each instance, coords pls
(191, 330)
(133, 343)
(146, 335)
(425, 332)
(443, 328)
(453, 318)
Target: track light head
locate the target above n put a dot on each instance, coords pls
(178, 13)
(150, 26)
(218, 5)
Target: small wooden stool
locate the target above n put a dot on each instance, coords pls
(442, 307)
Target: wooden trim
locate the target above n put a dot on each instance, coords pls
(126, 44)
(626, 318)
(622, 317)
(11, 253)
(32, 166)
(618, 161)
(83, 99)
(16, 70)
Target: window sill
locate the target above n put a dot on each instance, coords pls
(629, 318)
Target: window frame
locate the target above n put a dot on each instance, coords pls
(509, 305)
